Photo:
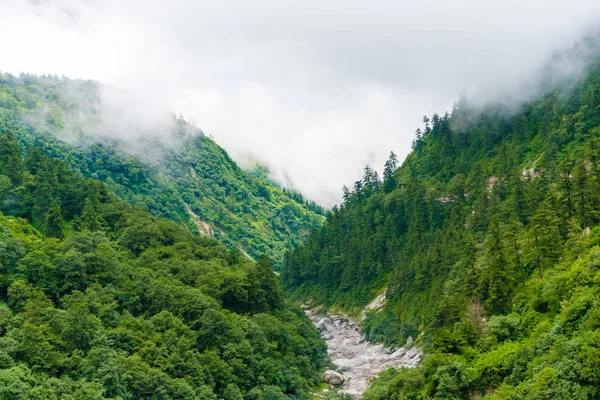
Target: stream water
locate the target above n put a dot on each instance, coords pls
(357, 359)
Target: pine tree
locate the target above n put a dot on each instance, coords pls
(376, 185)
(11, 162)
(357, 193)
(566, 173)
(43, 196)
(346, 194)
(5, 188)
(498, 274)
(575, 244)
(371, 180)
(35, 161)
(389, 181)
(53, 225)
(544, 234)
(264, 293)
(585, 187)
(512, 237)
(90, 216)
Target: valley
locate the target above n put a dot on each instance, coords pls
(356, 359)
(144, 263)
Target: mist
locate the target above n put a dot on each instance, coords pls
(315, 90)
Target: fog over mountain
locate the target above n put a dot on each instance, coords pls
(314, 89)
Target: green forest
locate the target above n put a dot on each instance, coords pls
(486, 241)
(149, 265)
(100, 299)
(173, 171)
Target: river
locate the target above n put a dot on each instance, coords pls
(357, 359)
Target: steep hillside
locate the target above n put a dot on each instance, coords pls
(101, 300)
(157, 162)
(484, 240)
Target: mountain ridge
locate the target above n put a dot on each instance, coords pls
(485, 239)
(164, 169)
(100, 299)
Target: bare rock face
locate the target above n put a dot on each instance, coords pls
(358, 360)
(322, 326)
(333, 378)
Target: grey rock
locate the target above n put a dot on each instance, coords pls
(359, 360)
(333, 378)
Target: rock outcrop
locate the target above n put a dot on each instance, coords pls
(357, 359)
(333, 378)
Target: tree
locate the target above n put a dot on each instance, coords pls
(53, 225)
(498, 274)
(5, 188)
(35, 161)
(512, 236)
(15, 383)
(371, 180)
(264, 294)
(566, 168)
(43, 195)
(91, 219)
(346, 194)
(544, 234)
(357, 193)
(11, 162)
(232, 392)
(585, 189)
(389, 181)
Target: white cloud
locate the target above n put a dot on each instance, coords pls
(315, 88)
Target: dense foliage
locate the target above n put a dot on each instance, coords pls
(172, 169)
(485, 239)
(101, 300)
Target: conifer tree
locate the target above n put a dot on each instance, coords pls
(566, 173)
(357, 193)
(544, 234)
(389, 181)
(11, 162)
(35, 161)
(371, 180)
(43, 196)
(584, 193)
(575, 244)
(53, 225)
(513, 235)
(264, 293)
(90, 216)
(346, 194)
(498, 274)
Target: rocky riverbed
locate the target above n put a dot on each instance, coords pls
(358, 360)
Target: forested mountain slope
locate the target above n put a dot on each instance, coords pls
(101, 300)
(160, 163)
(486, 240)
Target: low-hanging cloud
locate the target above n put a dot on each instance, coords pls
(315, 89)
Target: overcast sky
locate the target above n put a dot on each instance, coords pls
(314, 89)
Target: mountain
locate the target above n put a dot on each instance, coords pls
(100, 299)
(155, 161)
(485, 242)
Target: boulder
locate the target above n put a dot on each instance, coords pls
(333, 378)
(399, 353)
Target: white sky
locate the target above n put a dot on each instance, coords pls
(315, 89)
